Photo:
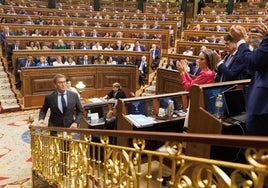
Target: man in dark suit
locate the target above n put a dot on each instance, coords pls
(28, 62)
(84, 61)
(71, 32)
(138, 46)
(231, 67)
(257, 103)
(12, 47)
(65, 107)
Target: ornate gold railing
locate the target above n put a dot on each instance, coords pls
(77, 159)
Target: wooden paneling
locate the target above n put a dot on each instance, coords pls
(97, 78)
(168, 81)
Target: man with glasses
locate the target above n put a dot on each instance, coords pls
(65, 107)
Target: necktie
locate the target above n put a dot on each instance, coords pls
(63, 103)
(229, 60)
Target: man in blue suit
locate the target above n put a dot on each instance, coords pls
(65, 107)
(231, 67)
(257, 102)
(138, 46)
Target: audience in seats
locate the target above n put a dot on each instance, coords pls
(97, 46)
(85, 45)
(36, 33)
(138, 46)
(84, 61)
(127, 61)
(70, 61)
(72, 45)
(60, 45)
(128, 47)
(94, 33)
(42, 62)
(71, 32)
(170, 65)
(28, 62)
(109, 47)
(111, 61)
(32, 46)
(189, 51)
(99, 60)
(61, 33)
(58, 61)
(119, 45)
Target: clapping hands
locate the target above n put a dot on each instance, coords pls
(182, 66)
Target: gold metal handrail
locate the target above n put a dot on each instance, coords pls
(87, 158)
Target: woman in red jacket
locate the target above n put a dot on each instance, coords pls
(206, 62)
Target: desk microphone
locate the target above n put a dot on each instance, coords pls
(230, 88)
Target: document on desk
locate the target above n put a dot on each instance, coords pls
(140, 120)
(96, 100)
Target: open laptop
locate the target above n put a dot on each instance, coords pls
(235, 105)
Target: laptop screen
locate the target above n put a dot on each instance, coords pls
(234, 101)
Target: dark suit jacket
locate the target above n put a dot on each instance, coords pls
(57, 118)
(23, 64)
(119, 95)
(3, 35)
(72, 34)
(156, 52)
(237, 70)
(257, 61)
(141, 47)
(257, 103)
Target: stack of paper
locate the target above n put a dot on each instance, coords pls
(140, 120)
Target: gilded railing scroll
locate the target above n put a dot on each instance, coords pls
(80, 158)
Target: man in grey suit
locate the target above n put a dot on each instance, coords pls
(65, 107)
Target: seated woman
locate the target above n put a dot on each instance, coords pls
(60, 45)
(42, 62)
(116, 93)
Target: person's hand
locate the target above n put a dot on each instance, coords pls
(218, 56)
(180, 67)
(41, 122)
(74, 125)
(262, 29)
(238, 32)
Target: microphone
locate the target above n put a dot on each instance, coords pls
(228, 89)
